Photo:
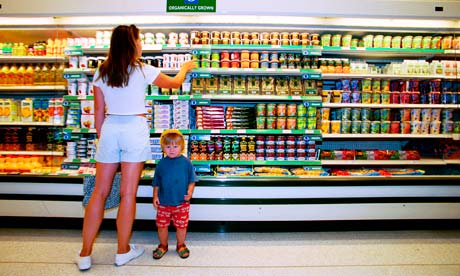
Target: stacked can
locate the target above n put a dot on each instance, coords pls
(285, 116)
(280, 147)
(175, 61)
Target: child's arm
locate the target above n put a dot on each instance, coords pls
(156, 201)
(190, 189)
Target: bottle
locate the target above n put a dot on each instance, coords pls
(12, 75)
(37, 75)
(15, 49)
(29, 75)
(53, 74)
(251, 148)
(235, 148)
(45, 76)
(22, 49)
(243, 148)
(4, 74)
(20, 80)
(60, 75)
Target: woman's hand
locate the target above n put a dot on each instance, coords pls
(188, 66)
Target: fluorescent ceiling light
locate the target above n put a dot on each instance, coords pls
(226, 20)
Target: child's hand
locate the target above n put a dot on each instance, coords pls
(156, 203)
(187, 197)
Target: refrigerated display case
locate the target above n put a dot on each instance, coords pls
(324, 159)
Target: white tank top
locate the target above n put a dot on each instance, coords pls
(128, 100)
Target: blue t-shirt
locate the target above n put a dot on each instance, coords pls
(172, 177)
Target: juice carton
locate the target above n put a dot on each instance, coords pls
(27, 110)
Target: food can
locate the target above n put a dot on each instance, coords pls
(281, 123)
(355, 114)
(292, 110)
(385, 127)
(365, 126)
(261, 122)
(325, 126)
(291, 123)
(301, 123)
(375, 127)
(395, 127)
(336, 126)
(356, 127)
(345, 126)
(405, 114)
(415, 127)
(261, 109)
(271, 123)
(387, 41)
(405, 127)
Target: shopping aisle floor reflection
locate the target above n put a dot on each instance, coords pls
(51, 252)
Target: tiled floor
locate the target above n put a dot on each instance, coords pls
(51, 252)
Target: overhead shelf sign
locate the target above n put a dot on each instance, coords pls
(191, 6)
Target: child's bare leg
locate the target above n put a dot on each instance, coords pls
(163, 235)
(181, 235)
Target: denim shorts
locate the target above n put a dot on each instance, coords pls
(124, 138)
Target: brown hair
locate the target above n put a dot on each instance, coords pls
(122, 57)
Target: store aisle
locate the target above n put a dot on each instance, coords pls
(51, 252)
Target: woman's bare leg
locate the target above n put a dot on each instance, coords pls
(94, 212)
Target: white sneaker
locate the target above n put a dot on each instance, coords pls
(133, 253)
(83, 263)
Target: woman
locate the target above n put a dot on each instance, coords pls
(119, 99)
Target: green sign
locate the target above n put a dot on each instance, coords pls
(191, 6)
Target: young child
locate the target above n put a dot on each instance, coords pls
(173, 183)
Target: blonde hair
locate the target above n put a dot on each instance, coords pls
(172, 136)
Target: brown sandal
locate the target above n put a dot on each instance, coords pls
(159, 252)
(183, 251)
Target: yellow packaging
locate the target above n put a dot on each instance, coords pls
(10, 110)
(1, 110)
(27, 110)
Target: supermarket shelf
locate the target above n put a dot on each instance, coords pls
(258, 163)
(246, 131)
(235, 97)
(43, 153)
(384, 136)
(80, 130)
(31, 124)
(328, 76)
(78, 98)
(33, 88)
(31, 59)
(305, 73)
(361, 105)
(306, 50)
(387, 52)
(452, 161)
(79, 160)
(82, 73)
(368, 163)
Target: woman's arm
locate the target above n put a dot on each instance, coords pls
(99, 109)
(165, 81)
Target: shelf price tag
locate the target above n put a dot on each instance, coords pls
(200, 102)
(314, 104)
(311, 76)
(73, 51)
(311, 51)
(202, 51)
(201, 75)
(73, 76)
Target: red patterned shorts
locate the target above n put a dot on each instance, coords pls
(179, 215)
